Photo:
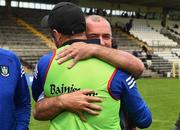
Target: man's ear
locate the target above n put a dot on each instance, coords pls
(57, 37)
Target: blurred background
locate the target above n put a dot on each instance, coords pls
(148, 29)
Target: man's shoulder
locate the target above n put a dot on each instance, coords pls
(123, 73)
(43, 63)
(127, 78)
(46, 58)
(9, 56)
(8, 53)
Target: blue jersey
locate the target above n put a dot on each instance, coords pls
(14, 93)
(122, 86)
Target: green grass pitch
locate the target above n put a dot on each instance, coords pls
(161, 95)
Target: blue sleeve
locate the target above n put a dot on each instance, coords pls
(22, 100)
(123, 87)
(40, 75)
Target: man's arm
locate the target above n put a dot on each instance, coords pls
(48, 108)
(124, 87)
(120, 58)
(138, 112)
(80, 51)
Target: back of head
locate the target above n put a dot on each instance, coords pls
(67, 18)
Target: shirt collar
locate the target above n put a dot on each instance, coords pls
(89, 41)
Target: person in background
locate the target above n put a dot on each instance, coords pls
(128, 26)
(177, 124)
(14, 95)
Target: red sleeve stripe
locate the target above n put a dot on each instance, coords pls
(109, 84)
(53, 56)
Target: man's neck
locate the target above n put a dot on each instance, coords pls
(76, 36)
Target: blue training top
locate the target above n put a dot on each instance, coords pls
(123, 86)
(14, 95)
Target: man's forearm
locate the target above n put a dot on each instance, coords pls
(48, 108)
(120, 58)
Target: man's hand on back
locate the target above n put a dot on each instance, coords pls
(77, 51)
(79, 102)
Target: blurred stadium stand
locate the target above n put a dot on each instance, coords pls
(30, 42)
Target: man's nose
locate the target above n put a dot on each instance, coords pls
(102, 41)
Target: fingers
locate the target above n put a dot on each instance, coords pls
(93, 99)
(62, 53)
(66, 55)
(84, 103)
(90, 98)
(94, 107)
(77, 51)
(75, 60)
(65, 58)
(82, 117)
(86, 91)
(91, 111)
(71, 65)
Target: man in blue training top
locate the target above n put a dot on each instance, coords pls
(14, 95)
(122, 85)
